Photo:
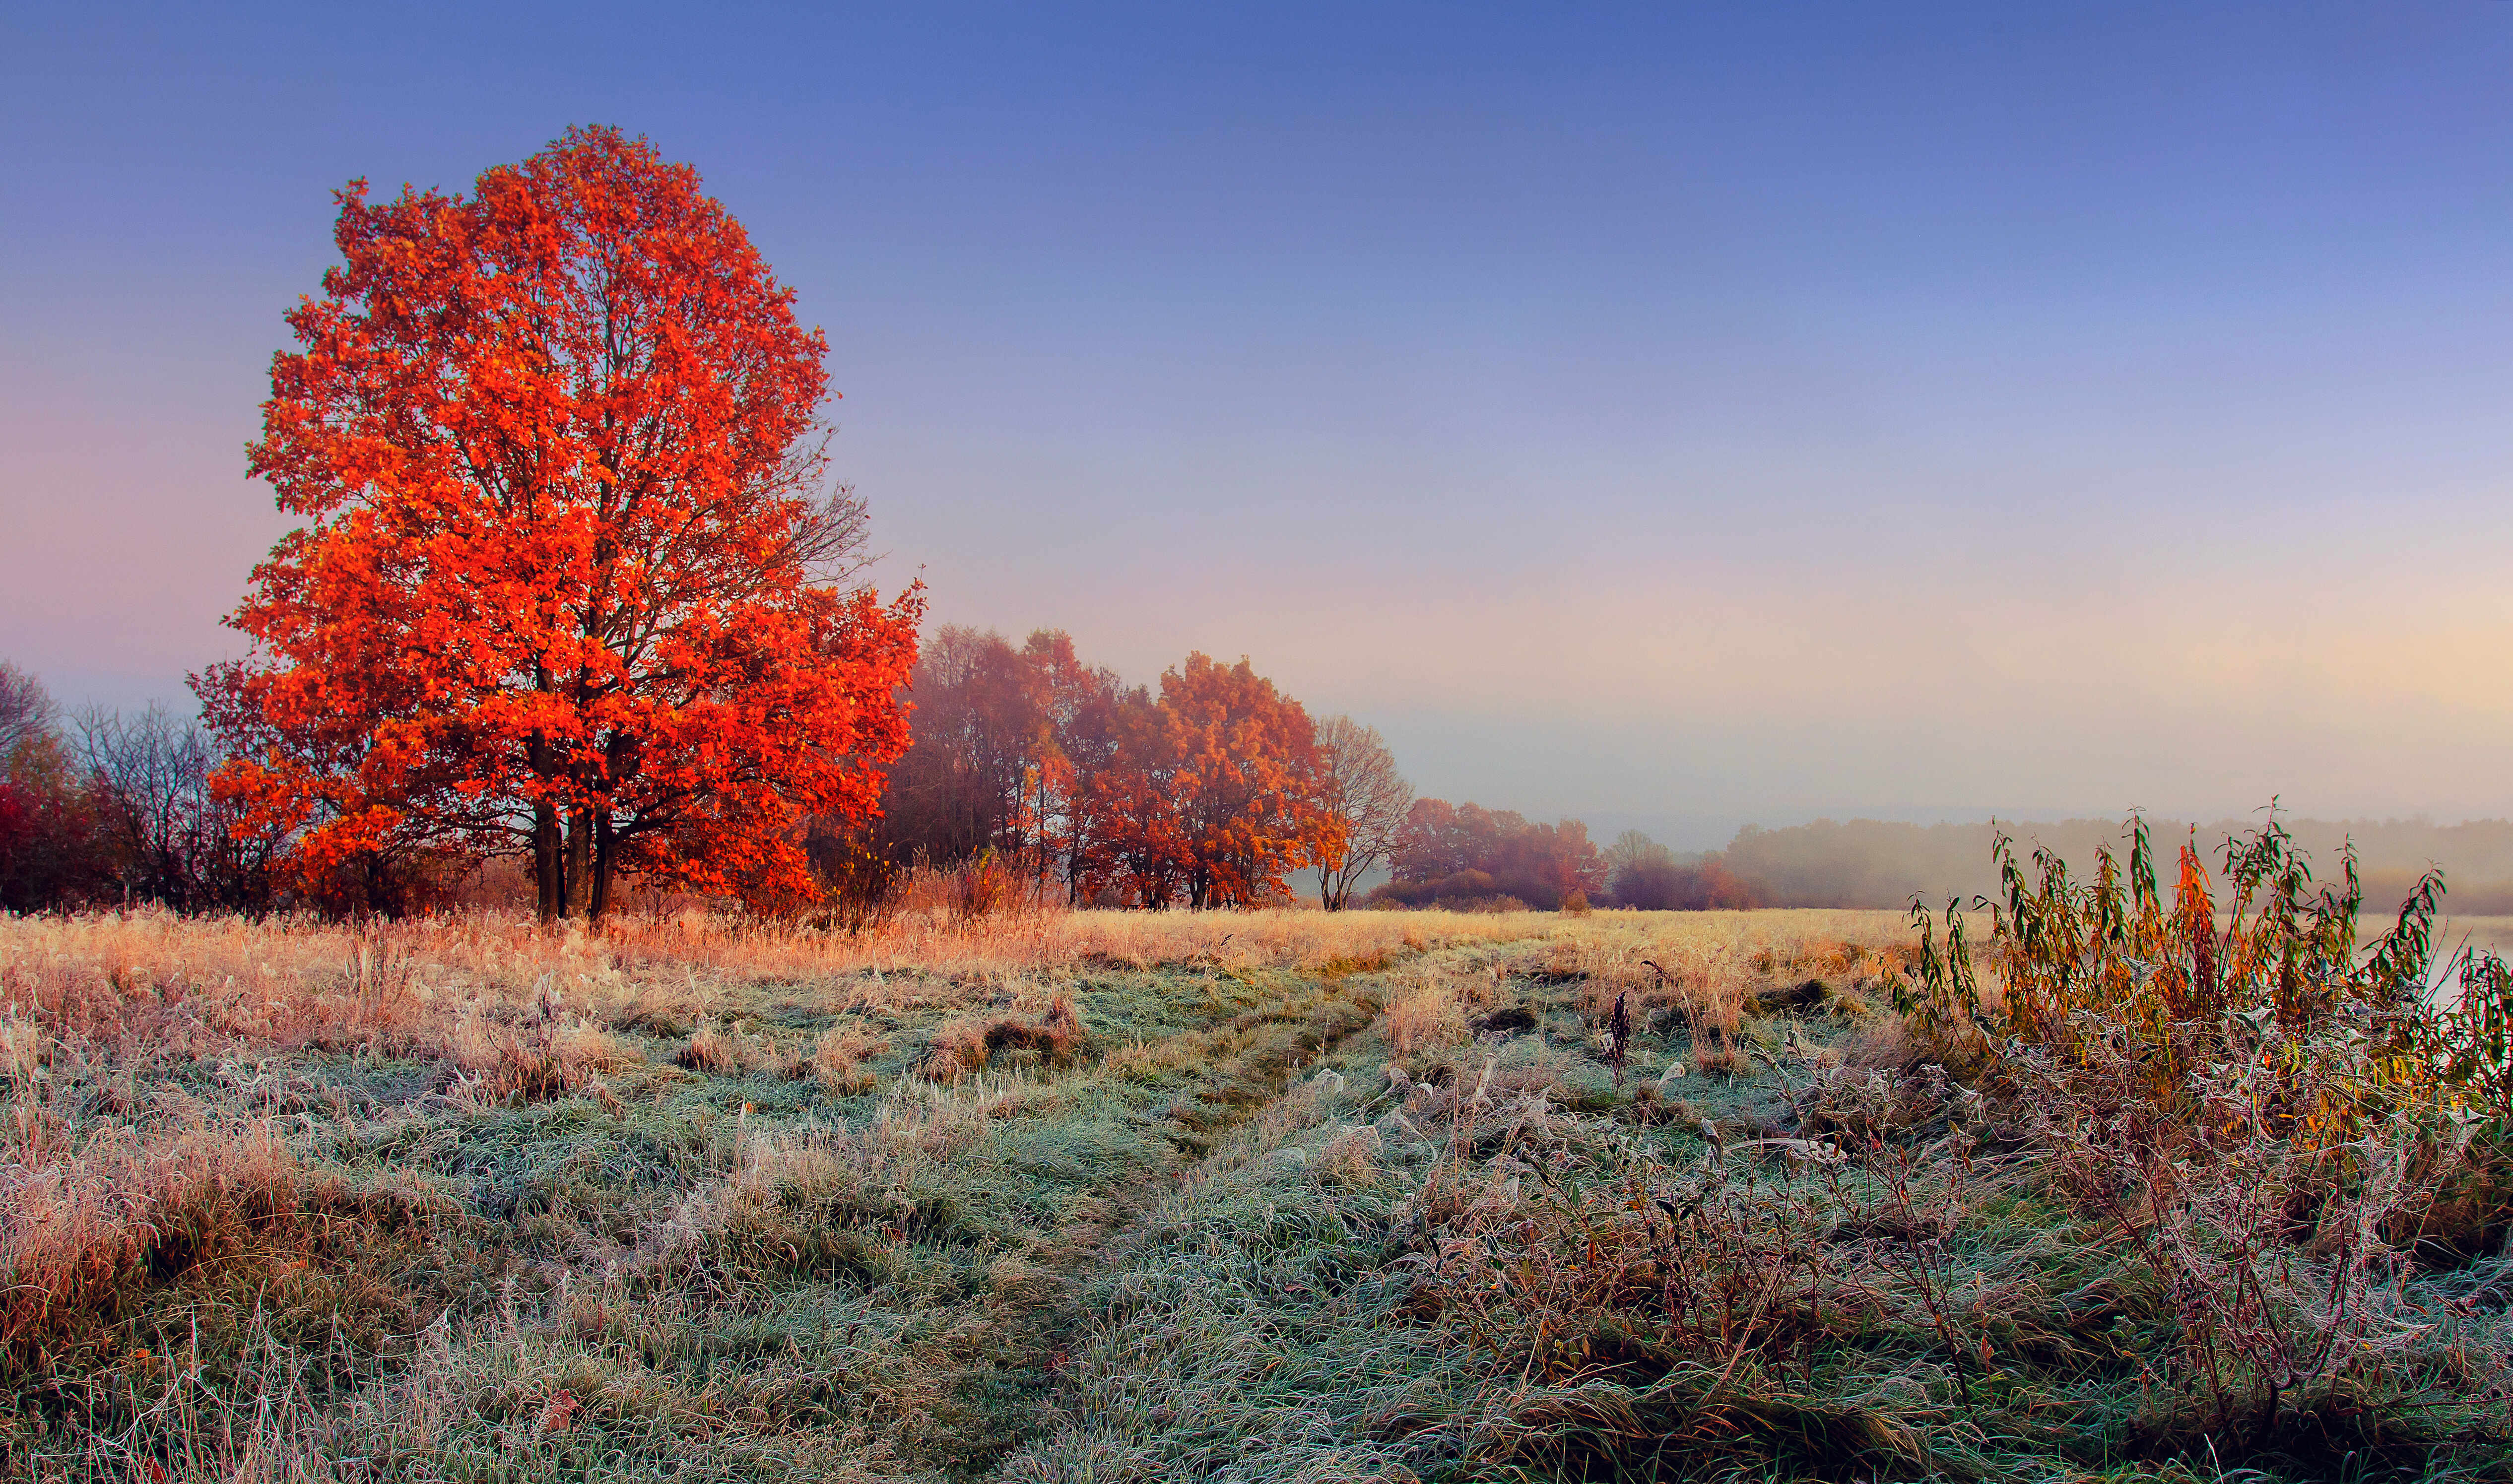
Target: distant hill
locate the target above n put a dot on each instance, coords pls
(1877, 864)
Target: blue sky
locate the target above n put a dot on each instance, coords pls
(1661, 414)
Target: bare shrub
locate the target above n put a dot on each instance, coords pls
(174, 839)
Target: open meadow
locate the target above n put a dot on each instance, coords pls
(880, 763)
(1097, 1196)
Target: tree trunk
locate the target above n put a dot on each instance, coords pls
(579, 861)
(547, 868)
(606, 850)
(549, 882)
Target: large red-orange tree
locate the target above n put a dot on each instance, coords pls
(567, 586)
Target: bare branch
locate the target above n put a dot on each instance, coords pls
(26, 710)
(1359, 784)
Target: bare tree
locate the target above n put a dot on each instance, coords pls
(26, 712)
(1633, 848)
(1359, 784)
(170, 838)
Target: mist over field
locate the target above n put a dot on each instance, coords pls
(1876, 864)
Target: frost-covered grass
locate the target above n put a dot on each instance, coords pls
(1086, 1196)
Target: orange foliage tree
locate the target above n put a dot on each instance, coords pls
(1128, 834)
(567, 585)
(1207, 795)
(1247, 783)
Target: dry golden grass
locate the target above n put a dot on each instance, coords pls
(510, 1014)
(518, 1014)
(980, 1123)
(1427, 1012)
(435, 987)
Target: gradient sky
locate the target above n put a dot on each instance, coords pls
(1674, 416)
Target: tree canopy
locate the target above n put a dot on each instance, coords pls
(569, 582)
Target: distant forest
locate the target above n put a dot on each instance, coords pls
(1874, 863)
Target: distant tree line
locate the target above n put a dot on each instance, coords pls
(1467, 855)
(1651, 877)
(1464, 855)
(1876, 864)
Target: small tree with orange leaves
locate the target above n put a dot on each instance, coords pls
(1208, 796)
(567, 586)
(1247, 783)
(2278, 1123)
(1128, 837)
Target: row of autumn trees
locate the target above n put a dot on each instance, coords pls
(1214, 790)
(571, 585)
(1030, 770)
(1211, 792)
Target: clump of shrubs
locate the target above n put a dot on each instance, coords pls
(2287, 1130)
